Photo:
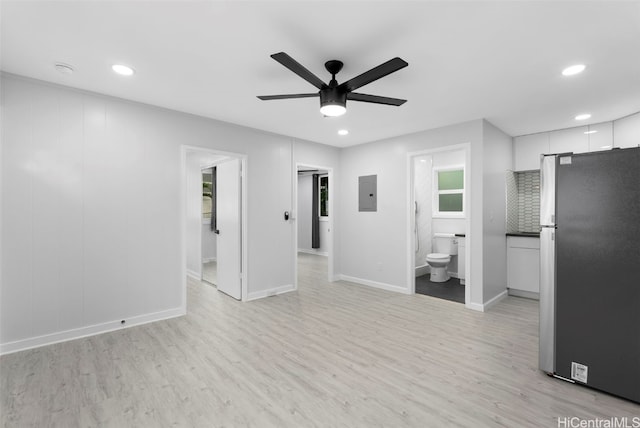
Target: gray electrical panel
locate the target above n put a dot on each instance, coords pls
(368, 193)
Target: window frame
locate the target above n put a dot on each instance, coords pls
(436, 213)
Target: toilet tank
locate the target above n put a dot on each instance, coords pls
(446, 243)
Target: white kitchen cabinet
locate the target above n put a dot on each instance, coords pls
(573, 140)
(523, 266)
(626, 131)
(600, 136)
(527, 151)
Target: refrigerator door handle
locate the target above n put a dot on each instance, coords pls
(548, 190)
(547, 340)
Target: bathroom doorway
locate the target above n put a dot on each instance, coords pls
(313, 232)
(439, 223)
(215, 197)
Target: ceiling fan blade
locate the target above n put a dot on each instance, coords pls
(375, 73)
(299, 69)
(286, 97)
(354, 96)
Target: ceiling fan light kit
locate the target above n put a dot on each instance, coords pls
(334, 96)
(333, 102)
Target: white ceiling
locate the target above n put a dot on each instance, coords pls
(467, 60)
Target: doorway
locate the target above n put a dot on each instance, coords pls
(215, 218)
(439, 219)
(209, 241)
(313, 234)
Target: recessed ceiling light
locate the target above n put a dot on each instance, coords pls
(590, 132)
(583, 116)
(605, 147)
(64, 68)
(343, 132)
(573, 70)
(122, 69)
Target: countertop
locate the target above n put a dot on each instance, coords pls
(526, 234)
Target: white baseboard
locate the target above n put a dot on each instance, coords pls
(375, 284)
(474, 306)
(210, 259)
(193, 274)
(270, 292)
(91, 330)
(422, 270)
(522, 293)
(488, 304)
(316, 252)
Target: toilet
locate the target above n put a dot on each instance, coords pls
(445, 245)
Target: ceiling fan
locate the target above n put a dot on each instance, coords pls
(334, 96)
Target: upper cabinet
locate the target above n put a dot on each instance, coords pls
(574, 140)
(527, 151)
(600, 136)
(620, 133)
(626, 131)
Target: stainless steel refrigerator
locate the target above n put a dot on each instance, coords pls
(590, 269)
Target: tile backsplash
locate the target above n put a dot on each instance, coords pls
(512, 201)
(523, 201)
(528, 201)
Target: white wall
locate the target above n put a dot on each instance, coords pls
(92, 210)
(374, 245)
(90, 185)
(303, 218)
(498, 158)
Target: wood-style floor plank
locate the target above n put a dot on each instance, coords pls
(329, 354)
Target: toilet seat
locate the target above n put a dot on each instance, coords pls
(438, 256)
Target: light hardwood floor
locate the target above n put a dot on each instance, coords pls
(328, 355)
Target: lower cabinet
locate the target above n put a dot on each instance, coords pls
(523, 266)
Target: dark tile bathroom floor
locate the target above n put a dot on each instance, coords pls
(451, 290)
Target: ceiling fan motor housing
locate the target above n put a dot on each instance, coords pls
(333, 96)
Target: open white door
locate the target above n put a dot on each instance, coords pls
(229, 249)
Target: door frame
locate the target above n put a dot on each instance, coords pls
(411, 254)
(330, 245)
(184, 150)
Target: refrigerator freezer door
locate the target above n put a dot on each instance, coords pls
(597, 298)
(548, 190)
(547, 299)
